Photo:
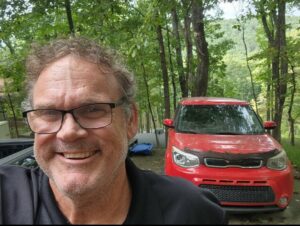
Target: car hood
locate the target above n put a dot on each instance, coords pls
(226, 143)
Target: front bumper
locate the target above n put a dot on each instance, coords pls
(243, 190)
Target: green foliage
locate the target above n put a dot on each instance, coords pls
(129, 27)
(292, 151)
(219, 45)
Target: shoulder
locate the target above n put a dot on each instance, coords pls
(19, 193)
(19, 180)
(17, 173)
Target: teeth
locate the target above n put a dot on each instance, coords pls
(80, 155)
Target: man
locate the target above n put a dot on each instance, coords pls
(83, 113)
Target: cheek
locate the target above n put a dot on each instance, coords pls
(42, 146)
(111, 136)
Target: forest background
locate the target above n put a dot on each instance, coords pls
(176, 48)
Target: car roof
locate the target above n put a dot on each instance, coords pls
(212, 101)
(16, 141)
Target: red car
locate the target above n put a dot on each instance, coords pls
(221, 144)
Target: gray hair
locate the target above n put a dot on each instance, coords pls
(43, 55)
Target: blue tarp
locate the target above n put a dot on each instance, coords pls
(144, 148)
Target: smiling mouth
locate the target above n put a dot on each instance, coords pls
(80, 155)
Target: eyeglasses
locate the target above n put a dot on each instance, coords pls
(90, 116)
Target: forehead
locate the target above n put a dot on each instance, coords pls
(75, 67)
(74, 78)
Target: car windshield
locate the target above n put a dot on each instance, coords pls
(218, 119)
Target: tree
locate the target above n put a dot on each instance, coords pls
(272, 15)
(69, 16)
(201, 78)
(182, 77)
(164, 70)
(183, 49)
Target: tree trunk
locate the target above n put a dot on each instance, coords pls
(182, 77)
(277, 45)
(149, 103)
(14, 114)
(164, 71)
(141, 124)
(189, 45)
(172, 71)
(69, 16)
(201, 47)
(283, 66)
(269, 97)
(148, 124)
(290, 117)
(9, 46)
(249, 69)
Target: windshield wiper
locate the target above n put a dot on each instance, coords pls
(188, 131)
(228, 133)
(203, 132)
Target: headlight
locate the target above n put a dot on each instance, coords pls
(278, 162)
(184, 159)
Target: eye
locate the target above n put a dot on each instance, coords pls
(93, 111)
(45, 115)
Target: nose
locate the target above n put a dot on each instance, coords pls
(70, 130)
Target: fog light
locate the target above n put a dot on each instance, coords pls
(283, 202)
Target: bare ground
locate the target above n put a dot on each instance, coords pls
(154, 162)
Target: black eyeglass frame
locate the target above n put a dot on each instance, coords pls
(71, 111)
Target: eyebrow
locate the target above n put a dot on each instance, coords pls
(86, 102)
(44, 106)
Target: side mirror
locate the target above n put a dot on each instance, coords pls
(168, 123)
(270, 125)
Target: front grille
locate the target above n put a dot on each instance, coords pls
(242, 163)
(249, 194)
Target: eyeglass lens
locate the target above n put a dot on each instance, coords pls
(88, 116)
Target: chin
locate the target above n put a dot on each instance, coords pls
(74, 187)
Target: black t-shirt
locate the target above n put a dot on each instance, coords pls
(26, 198)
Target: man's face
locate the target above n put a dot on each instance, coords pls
(79, 160)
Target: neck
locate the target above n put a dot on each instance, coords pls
(108, 205)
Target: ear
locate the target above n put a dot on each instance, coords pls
(132, 124)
